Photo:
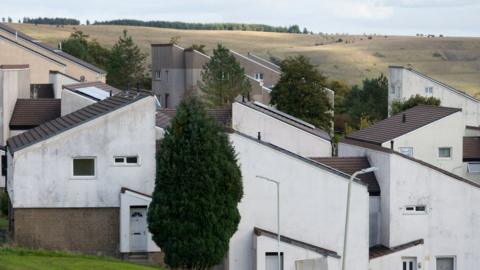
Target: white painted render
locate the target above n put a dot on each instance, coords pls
(72, 101)
(446, 132)
(41, 174)
(451, 225)
(312, 199)
(59, 80)
(393, 261)
(128, 199)
(404, 83)
(291, 254)
(250, 121)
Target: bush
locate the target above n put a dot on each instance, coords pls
(3, 203)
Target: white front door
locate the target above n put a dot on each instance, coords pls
(409, 264)
(138, 229)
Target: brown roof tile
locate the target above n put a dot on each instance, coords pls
(380, 250)
(74, 119)
(350, 165)
(29, 113)
(471, 148)
(402, 123)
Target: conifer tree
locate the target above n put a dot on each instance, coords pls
(223, 79)
(193, 212)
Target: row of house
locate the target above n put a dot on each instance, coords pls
(80, 171)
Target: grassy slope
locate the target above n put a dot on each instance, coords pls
(458, 62)
(18, 259)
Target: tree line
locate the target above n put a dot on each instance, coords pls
(51, 21)
(206, 26)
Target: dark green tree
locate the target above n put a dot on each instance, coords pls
(370, 101)
(193, 213)
(400, 106)
(300, 92)
(223, 79)
(126, 63)
(79, 46)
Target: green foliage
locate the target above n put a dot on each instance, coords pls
(370, 101)
(51, 21)
(341, 90)
(205, 26)
(223, 79)
(175, 39)
(126, 63)
(199, 48)
(193, 212)
(3, 203)
(399, 106)
(300, 92)
(79, 46)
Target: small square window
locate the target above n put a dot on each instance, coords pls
(120, 160)
(132, 160)
(84, 167)
(445, 152)
(429, 90)
(415, 209)
(259, 76)
(158, 75)
(126, 160)
(408, 151)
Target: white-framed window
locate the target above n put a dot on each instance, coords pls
(408, 151)
(415, 210)
(409, 263)
(445, 263)
(158, 75)
(445, 152)
(84, 167)
(126, 160)
(473, 167)
(429, 90)
(259, 76)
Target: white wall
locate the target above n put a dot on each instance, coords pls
(446, 132)
(250, 122)
(59, 80)
(451, 226)
(128, 199)
(42, 173)
(313, 204)
(291, 254)
(408, 83)
(72, 101)
(393, 261)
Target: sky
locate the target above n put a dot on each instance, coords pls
(394, 17)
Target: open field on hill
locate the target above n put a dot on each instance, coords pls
(20, 259)
(454, 60)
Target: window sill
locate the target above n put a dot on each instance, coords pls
(83, 178)
(126, 165)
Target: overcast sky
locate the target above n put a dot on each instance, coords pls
(449, 17)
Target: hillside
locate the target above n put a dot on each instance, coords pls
(454, 60)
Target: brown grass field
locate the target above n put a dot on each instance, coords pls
(454, 60)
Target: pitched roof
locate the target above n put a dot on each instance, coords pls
(72, 120)
(350, 165)
(286, 118)
(402, 123)
(77, 88)
(471, 148)
(380, 250)
(421, 162)
(52, 50)
(291, 241)
(222, 116)
(29, 113)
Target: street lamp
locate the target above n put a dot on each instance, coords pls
(278, 216)
(353, 176)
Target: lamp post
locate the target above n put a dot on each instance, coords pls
(278, 217)
(353, 176)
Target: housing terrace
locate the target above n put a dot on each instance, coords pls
(69, 121)
(46, 47)
(293, 121)
(30, 113)
(291, 241)
(389, 151)
(402, 123)
(350, 165)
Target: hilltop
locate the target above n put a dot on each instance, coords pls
(454, 60)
